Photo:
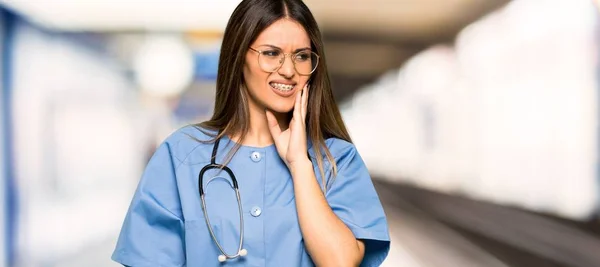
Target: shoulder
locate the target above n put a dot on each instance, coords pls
(186, 140)
(338, 148)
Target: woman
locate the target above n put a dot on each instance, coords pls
(273, 108)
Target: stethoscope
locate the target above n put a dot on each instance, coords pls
(240, 252)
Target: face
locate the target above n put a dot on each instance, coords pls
(276, 90)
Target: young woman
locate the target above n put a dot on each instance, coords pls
(272, 179)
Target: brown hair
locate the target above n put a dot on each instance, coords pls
(231, 113)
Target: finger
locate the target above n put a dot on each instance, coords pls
(302, 106)
(305, 102)
(297, 106)
(273, 124)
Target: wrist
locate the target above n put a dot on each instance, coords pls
(300, 164)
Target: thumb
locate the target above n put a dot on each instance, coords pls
(273, 124)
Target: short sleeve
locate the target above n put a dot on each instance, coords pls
(354, 200)
(153, 231)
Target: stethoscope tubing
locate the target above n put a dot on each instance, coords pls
(210, 166)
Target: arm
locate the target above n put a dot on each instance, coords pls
(152, 233)
(347, 226)
(328, 240)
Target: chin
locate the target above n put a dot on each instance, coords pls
(281, 108)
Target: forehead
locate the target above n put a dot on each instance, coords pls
(284, 33)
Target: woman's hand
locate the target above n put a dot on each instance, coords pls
(291, 143)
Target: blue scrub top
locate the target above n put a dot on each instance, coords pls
(165, 224)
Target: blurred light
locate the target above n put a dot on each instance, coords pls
(164, 65)
(415, 20)
(127, 14)
(508, 115)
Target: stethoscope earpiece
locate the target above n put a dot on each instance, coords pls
(243, 252)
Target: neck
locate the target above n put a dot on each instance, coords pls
(259, 134)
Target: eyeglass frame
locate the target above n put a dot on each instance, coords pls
(285, 55)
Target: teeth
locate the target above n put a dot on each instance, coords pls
(282, 87)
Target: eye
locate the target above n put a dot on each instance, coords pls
(271, 53)
(302, 56)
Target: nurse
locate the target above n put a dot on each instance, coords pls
(306, 197)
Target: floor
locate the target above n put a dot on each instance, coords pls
(432, 229)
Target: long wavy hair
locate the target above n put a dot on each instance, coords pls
(231, 115)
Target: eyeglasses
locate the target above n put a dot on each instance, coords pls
(305, 61)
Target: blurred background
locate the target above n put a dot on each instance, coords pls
(478, 120)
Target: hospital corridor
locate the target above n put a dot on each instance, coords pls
(478, 121)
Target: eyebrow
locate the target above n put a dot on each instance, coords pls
(295, 51)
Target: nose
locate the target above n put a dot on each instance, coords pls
(287, 69)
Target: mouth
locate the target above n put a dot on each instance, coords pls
(282, 86)
(283, 89)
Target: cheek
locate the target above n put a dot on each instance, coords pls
(256, 81)
(253, 77)
(256, 84)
